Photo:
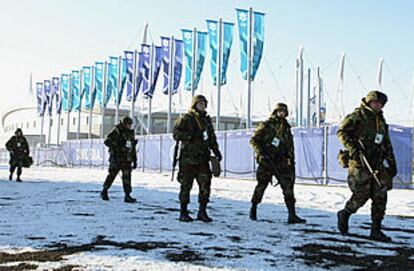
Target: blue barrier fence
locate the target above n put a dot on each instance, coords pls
(316, 151)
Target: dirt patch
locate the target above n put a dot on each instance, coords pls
(83, 214)
(329, 256)
(58, 250)
(184, 256)
(20, 266)
(201, 234)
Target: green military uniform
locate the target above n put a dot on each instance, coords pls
(273, 140)
(196, 133)
(365, 132)
(19, 151)
(122, 149)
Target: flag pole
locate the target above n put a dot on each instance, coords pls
(80, 103)
(151, 78)
(69, 107)
(134, 85)
(193, 62)
(117, 100)
(249, 69)
(170, 83)
(318, 100)
(308, 113)
(218, 71)
(91, 90)
(301, 88)
(103, 98)
(60, 113)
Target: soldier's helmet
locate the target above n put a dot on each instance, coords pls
(376, 95)
(196, 99)
(281, 106)
(126, 120)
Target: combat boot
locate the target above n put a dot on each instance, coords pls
(202, 213)
(184, 216)
(104, 194)
(343, 219)
(293, 218)
(253, 212)
(18, 179)
(376, 233)
(129, 199)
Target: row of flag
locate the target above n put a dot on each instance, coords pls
(107, 80)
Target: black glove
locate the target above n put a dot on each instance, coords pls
(134, 164)
(218, 155)
(392, 170)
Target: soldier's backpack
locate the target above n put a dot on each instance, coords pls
(343, 158)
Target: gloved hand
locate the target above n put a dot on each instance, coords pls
(392, 170)
(218, 155)
(134, 164)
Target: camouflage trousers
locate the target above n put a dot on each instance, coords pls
(187, 174)
(126, 177)
(264, 177)
(13, 168)
(364, 187)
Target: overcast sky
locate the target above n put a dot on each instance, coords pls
(47, 38)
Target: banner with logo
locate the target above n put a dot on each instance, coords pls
(75, 90)
(99, 75)
(57, 94)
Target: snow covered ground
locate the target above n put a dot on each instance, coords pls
(55, 219)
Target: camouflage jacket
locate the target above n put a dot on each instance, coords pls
(275, 137)
(369, 127)
(196, 133)
(18, 147)
(122, 144)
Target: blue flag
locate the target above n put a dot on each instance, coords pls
(57, 94)
(156, 70)
(65, 93)
(243, 21)
(200, 56)
(112, 85)
(86, 86)
(48, 95)
(40, 99)
(228, 29)
(123, 80)
(165, 44)
(178, 64)
(258, 41)
(188, 53)
(145, 69)
(99, 74)
(139, 74)
(75, 90)
(212, 27)
(129, 66)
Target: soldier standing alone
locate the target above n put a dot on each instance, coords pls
(272, 142)
(122, 149)
(196, 133)
(19, 152)
(364, 133)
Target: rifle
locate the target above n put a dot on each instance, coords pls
(175, 158)
(268, 160)
(368, 166)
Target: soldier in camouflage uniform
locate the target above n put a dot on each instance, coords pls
(19, 150)
(365, 132)
(196, 133)
(273, 142)
(122, 149)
